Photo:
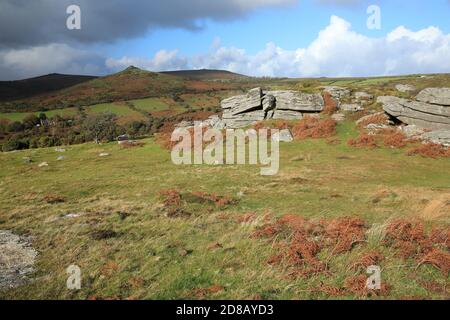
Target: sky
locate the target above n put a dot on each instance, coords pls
(276, 38)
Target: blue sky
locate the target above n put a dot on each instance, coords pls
(289, 28)
(293, 38)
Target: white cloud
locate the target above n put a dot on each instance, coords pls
(52, 58)
(337, 51)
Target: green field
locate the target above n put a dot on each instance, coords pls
(118, 109)
(19, 116)
(151, 104)
(145, 254)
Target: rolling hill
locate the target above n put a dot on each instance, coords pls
(21, 89)
(131, 83)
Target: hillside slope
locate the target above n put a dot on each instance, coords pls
(132, 83)
(21, 89)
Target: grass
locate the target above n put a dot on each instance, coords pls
(19, 116)
(152, 256)
(151, 104)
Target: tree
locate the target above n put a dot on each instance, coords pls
(100, 127)
(30, 121)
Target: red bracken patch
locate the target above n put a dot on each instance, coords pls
(301, 240)
(363, 141)
(411, 241)
(314, 128)
(430, 150)
(439, 259)
(394, 139)
(367, 259)
(330, 104)
(357, 285)
(375, 119)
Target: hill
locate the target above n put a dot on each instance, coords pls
(21, 89)
(206, 74)
(131, 83)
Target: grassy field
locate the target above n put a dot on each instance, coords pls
(127, 247)
(19, 116)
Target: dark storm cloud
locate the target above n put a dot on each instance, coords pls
(38, 22)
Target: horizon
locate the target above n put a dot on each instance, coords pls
(304, 39)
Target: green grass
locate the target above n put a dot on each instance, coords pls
(151, 104)
(19, 116)
(116, 108)
(143, 261)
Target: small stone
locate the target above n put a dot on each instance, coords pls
(351, 107)
(184, 252)
(283, 136)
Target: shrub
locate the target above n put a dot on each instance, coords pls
(15, 144)
(314, 128)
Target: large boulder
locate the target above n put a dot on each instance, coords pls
(425, 115)
(440, 96)
(244, 103)
(244, 110)
(297, 101)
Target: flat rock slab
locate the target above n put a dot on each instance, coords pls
(440, 96)
(426, 115)
(17, 259)
(297, 101)
(244, 103)
(439, 137)
(287, 115)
